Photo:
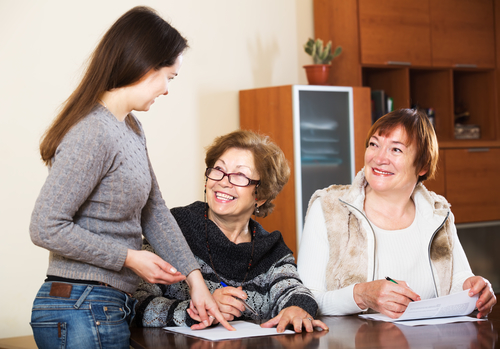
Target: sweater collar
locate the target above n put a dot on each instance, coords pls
(230, 260)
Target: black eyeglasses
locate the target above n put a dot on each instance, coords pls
(238, 179)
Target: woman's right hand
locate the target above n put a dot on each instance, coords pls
(152, 268)
(384, 296)
(229, 306)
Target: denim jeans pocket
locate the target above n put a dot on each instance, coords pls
(49, 334)
(108, 312)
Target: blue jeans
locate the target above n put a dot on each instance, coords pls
(88, 316)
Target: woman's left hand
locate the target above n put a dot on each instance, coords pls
(203, 307)
(487, 299)
(297, 317)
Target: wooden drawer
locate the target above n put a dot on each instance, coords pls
(472, 183)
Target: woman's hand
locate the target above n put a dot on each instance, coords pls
(229, 306)
(203, 307)
(152, 268)
(297, 317)
(486, 300)
(384, 296)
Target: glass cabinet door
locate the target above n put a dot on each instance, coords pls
(323, 141)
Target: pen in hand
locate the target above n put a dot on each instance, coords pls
(391, 280)
(252, 310)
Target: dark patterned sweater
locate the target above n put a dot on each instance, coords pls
(272, 283)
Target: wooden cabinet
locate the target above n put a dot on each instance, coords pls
(442, 33)
(461, 73)
(472, 183)
(463, 33)
(394, 32)
(284, 114)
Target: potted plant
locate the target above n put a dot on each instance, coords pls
(317, 73)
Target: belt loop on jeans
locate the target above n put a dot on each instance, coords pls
(82, 298)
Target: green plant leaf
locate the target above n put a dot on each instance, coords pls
(338, 51)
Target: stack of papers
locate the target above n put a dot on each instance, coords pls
(442, 310)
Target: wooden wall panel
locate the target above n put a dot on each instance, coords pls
(269, 111)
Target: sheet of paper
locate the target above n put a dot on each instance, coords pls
(438, 321)
(244, 329)
(446, 307)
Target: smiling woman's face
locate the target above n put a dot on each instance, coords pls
(228, 201)
(154, 84)
(389, 162)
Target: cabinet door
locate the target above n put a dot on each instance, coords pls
(438, 183)
(472, 183)
(395, 31)
(463, 33)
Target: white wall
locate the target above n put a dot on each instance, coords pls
(235, 45)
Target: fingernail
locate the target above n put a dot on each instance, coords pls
(206, 323)
(173, 270)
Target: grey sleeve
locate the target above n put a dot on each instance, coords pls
(80, 162)
(163, 233)
(156, 309)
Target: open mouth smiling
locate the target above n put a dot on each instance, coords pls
(381, 172)
(223, 196)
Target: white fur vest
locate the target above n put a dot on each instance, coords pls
(351, 238)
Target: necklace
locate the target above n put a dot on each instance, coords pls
(210, 254)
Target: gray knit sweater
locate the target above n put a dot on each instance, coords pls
(100, 197)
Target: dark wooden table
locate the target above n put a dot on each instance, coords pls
(345, 332)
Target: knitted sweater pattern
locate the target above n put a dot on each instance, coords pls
(272, 283)
(100, 197)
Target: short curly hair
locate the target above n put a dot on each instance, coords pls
(419, 131)
(270, 163)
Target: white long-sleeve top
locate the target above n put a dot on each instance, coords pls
(412, 263)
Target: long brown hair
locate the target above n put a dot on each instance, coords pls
(140, 40)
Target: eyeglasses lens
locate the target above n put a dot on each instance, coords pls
(235, 179)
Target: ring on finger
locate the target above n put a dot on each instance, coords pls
(310, 319)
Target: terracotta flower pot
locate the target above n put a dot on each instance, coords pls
(317, 74)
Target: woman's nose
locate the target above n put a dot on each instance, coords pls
(380, 156)
(225, 181)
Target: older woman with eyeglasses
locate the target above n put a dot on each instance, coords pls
(250, 272)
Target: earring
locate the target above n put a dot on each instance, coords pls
(205, 191)
(256, 210)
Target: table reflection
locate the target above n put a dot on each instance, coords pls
(345, 332)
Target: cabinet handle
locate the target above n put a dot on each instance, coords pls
(478, 150)
(398, 63)
(465, 65)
